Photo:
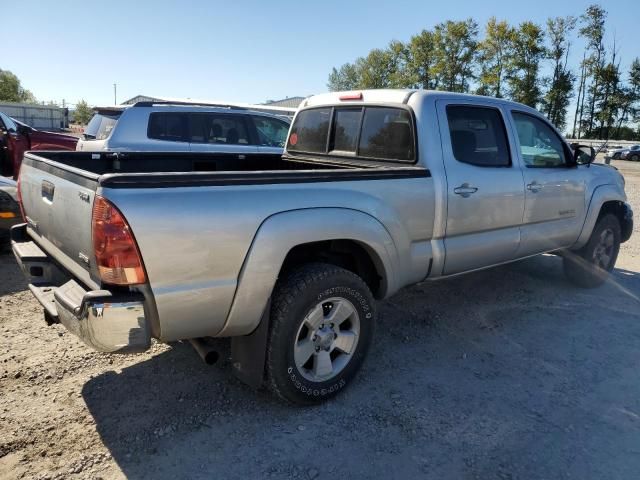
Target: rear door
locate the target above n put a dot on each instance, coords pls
(485, 189)
(555, 201)
(218, 132)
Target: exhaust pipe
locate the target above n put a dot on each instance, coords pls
(208, 354)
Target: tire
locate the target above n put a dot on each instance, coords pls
(302, 336)
(589, 267)
(634, 157)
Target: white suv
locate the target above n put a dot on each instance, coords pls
(160, 126)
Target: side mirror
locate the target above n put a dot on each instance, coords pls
(23, 129)
(583, 154)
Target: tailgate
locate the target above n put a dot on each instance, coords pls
(58, 201)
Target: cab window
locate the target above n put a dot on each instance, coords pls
(478, 136)
(540, 146)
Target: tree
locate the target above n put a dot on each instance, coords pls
(12, 91)
(493, 54)
(592, 29)
(421, 60)
(556, 100)
(455, 51)
(524, 65)
(345, 78)
(83, 113)
(630, 97)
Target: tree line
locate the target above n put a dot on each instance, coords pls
(508, 61)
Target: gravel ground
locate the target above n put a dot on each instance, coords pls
(507, 373)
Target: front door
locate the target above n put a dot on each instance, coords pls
(485, 190)
(555, 202)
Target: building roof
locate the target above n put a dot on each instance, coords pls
(289, 102)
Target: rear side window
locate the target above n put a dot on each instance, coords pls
(381, 133)
(217, 128)
(478, 136)
(168, 126)
(101, 126)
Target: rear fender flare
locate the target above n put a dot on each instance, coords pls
(280, 233)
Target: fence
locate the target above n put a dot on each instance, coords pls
(42, 117)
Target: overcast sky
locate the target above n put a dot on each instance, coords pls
(236, 50)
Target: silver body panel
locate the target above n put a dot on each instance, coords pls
(213, 253)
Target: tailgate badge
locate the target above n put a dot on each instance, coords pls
(84, 196)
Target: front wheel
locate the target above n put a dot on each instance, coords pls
(322, 323)
(590, 266)
(634, 157)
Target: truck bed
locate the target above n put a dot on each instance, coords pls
(159, 169)
(196, 217)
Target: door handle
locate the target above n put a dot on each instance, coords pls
(465, 190)
(534, 187)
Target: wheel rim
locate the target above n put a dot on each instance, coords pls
(603, 253)
(327, 339)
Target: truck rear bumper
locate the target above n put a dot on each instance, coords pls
(107, 321)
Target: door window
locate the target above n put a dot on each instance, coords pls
(478, 136)
(540, 146)
(271, 132)
(216, 128)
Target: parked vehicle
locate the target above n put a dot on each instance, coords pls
(172, 126)
(377, 190)
(9, 209)
(16, 138)
(631, 153)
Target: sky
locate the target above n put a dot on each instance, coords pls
(235, 50)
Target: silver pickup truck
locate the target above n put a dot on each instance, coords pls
(287, 254)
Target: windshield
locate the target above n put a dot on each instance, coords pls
(8, 123)
(101, 125)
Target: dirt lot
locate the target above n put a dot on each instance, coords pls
(508, 373)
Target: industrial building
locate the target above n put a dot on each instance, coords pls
(42, 117)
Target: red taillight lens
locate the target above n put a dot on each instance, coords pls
(117, 255)
(24, 216)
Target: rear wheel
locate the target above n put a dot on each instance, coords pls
(590, 266)
(322, 323)
(635, 157)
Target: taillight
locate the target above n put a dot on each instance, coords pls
(117, 255)
(24, 216)
(351, 96)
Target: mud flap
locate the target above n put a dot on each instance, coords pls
(249, 352)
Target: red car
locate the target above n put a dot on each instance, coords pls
(16, 138)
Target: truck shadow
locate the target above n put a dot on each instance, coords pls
(465, 376)
(11, 278)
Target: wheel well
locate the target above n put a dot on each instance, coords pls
(615, 207)
(348, 254)
(618, 209)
